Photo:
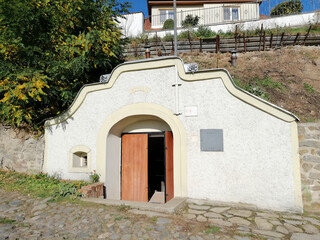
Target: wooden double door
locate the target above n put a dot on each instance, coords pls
(147, 164)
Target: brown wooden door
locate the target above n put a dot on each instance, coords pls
(134, 184)
(169, 166)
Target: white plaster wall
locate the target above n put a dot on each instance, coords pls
(132, 25)
(276, 22)
(83, 127)
(256, 164)
(255, 167)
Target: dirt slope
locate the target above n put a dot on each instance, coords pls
(288, 77)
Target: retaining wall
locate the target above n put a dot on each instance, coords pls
(309, 141)
(20, 151)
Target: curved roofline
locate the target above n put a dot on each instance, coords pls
(170, 61)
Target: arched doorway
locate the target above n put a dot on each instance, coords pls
(153, 121)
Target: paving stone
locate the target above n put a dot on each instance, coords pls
(275, 222)
(198, 207)
(292, 228)
(268, 233)
(189, 216)
(220, 222)
(213, 215)
(15, 203)
(201, 218)
(304, 236)
(192, 211)
(294, 222)
(294, 217)
(263, 223)
(163, 221)
(240, 213)
(308, 228)
(267, 215)
(312, 220)
(239, 221)
(39, 207)
(219, 209)
(282, 230)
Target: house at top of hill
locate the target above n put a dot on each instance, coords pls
(209, 11)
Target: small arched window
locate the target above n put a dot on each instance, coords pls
(79, 159)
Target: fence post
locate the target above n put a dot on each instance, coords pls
(235, 38)
(172, 49)
(260, 36)
(244, 43)
(295, 40)
(271, 38)
(282, 35)
(305, 38)
(264, 40)
(217, 43)
(189, 38)
(200, 44)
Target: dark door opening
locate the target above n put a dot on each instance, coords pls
(147, 166)
(156, 164)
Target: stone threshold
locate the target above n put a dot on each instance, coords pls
(172, 206)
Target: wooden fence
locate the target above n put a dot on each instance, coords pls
(217, 44)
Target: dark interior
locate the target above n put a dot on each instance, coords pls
(156, 163)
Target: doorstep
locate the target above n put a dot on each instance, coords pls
(171, 206)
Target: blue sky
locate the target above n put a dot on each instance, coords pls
(138, 6)
(308, 5)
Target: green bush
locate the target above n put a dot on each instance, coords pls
(187, 34)
(190, 21)
(204, 32)
(168, 37)
(292, 6)
(168, 24)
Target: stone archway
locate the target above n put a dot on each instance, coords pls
(109, 144)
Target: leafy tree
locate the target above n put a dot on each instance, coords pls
(49, 49)
(190, 21)
(284, 8)
(168, 24)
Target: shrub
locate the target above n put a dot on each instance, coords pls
(168, 24)
(168, 37)
(190, 21)
(187, 34)
(292, 6)
(204, 32)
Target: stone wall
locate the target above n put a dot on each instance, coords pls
(309, 141)
(20, 151)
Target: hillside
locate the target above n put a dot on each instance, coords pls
(288, 77)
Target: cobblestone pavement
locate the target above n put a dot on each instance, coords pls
(22, 217)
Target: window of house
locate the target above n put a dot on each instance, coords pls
(165, 14)
(80, 159)
(231, 13)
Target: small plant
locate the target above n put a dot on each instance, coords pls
(94, 176)
(123, 208)
(187, 34)
(118, 218)
(212, 229)
(168, 24)
(204, 32)
(190, 21)
(308, 88)
(168, 37)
